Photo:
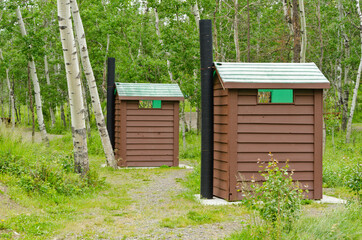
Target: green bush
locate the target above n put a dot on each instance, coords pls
(278, 199)
(37, 169)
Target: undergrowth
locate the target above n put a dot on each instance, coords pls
(40, 170)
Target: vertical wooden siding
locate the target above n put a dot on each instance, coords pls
(221, 139)
(285, 130)
(150, 136)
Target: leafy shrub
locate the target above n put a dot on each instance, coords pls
(278, 199)
(354, 181)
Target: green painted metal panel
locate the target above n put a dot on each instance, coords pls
(279, 95)
(156, 104)
(148, 90)
(270, 73)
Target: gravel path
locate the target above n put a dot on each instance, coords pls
(155, 203)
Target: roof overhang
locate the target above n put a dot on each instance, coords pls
(270, 76)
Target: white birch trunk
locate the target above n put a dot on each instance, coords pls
(11, 94)
(92, 86)
(304, 31)
(74, 87)
(104, 83)
(355, 90)
(196, 13)
(236, 31)
(34, 77)
(287, 16)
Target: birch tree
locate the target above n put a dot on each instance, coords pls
(34, 77)
(303, 31)
(296, 28)
(92, 85)
(358, 78)
(81, 162)
(236, 30)
(11, 93)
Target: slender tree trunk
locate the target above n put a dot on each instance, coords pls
(304, 32)
(104, 83)
(320, 35)
(38, 102)
(247, 2)
(47, 77)
(81, 161)
(358, 78)
(196, 13)
(190, 120)
(11, 95)
(30, 92)
(288, 19)
(92, 87)
(296, 28)
(198, 123)
(236, 30)
(62, 115)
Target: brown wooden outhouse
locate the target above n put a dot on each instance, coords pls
(262, 108)
(147, 124)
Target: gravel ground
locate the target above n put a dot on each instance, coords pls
(153, 202)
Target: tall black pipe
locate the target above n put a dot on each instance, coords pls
(111, 72)
(207, 109)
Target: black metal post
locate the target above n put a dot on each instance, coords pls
(111, 72)
(207, 110)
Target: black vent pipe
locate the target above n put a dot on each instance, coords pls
(207, 110)
(111, 70)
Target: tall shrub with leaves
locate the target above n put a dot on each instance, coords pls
(278, 199)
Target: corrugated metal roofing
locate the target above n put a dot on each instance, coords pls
(290, 73)
(148, 90)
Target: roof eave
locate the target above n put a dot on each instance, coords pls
(234, 85)
(150, 98)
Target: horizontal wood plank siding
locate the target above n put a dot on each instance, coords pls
(285, 130)
(221, 165)
(149, 134)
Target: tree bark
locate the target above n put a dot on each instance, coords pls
(236, 31)
(31, 107)
(303, 31)
(196, 13)
(81, 162)
(296, 28)
(358, 78)
(320, 35)
(34, 77)
(288, 19)
(11, 94)
(248, 7)
(108, 150)
(46, 70)
(62, 115)
(104, 83)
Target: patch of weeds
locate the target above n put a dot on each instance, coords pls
(193, 146)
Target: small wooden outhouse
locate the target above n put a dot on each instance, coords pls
(262, 108)
(147, 124)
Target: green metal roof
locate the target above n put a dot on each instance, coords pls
(148, 91)
(233, 74)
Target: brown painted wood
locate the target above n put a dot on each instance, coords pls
(154, 146)
(247, 92)
(276, 109)
(144, 162)
(247, 100)
(275, 138)
(220, 110)
(221, 165)
(304, 92)
(233, 145)
(152, 112)
(123, 134)
(138, 135)
(295, 157)
(150, 141)
(275, 128)
(220, 137)
(150, 129)
(220, 119)
(220, 128)
(165, 105)
(176, 134)
(220, 101)
(296, 166)
(318, 114)
(149, 118)
(304, 100)
(149, 158)
(275, 147)
(297, 176)
(276, 119)
(150, 123)
(221, 193)
(221, 147)
(136, 152)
